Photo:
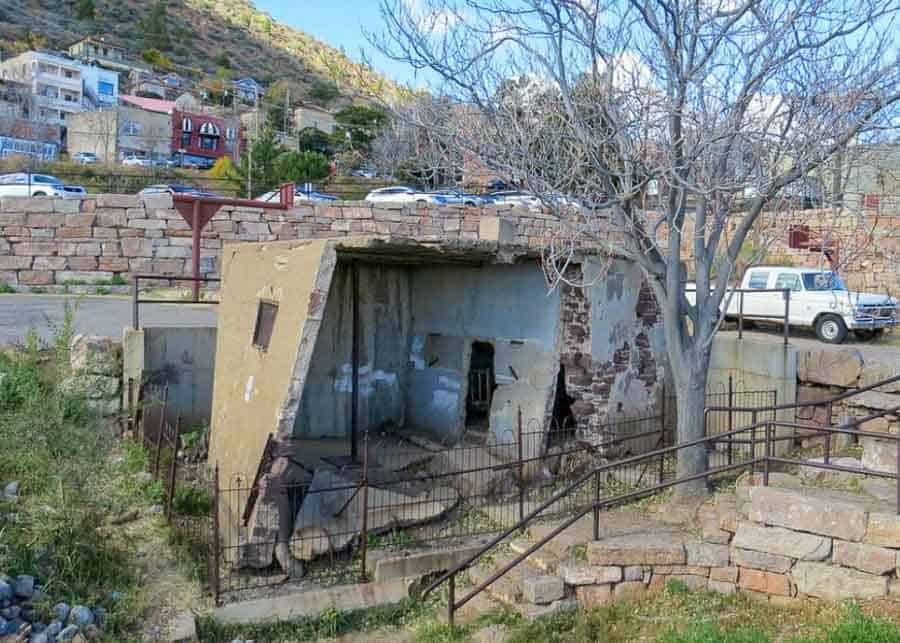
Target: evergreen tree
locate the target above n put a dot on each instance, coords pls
(301, 167)
(259, 164)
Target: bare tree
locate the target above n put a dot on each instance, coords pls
(676, 122)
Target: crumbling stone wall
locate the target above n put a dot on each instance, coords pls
(632, 366)
(46, 242)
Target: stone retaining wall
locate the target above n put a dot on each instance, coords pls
(773, 543)
(46, 241)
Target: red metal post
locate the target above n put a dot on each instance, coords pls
(195, 255)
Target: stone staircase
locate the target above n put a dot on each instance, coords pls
(560, 575)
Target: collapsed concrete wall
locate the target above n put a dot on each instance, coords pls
(505, 306)
(384, 326)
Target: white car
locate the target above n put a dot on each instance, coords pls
(515, 197)
(299, 195)
(818, 300)
(403, 194)
(140, 161)
(27, 184)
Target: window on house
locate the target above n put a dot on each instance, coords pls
(107, 89)
(208, 142)
(131, 128)
(265, 323)
(758, 280)
(185, 139)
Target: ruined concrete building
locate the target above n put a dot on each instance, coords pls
(321, 341)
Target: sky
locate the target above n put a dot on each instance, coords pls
(340, 23)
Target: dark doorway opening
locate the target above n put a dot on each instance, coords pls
(563, 425)
(481, 386)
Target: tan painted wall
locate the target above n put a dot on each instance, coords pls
(251, 385)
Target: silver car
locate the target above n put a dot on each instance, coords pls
(28, 184)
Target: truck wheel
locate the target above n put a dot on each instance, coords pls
(831, 329)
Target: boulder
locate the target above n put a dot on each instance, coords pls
(830, 366)
(876, 370)
(94, 354)
(836, 583)
(24, 587)
(782, 542)
(577, 573)
(638, 549)
(866, 558)
(814, 514)
(874, 401)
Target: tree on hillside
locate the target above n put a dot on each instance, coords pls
(310, 139)
(661, 116)
(257, 170)
(322, 92)
(361, 122)
(301, 167)
(85, 10)
(154, 28)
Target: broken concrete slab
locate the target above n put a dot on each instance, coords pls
(388, 565)
(331, 515)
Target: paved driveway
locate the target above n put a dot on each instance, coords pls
(95, 315)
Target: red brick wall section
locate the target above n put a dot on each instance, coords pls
(590, 382)
(51, 241)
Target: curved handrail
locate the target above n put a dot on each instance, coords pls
(578, 482)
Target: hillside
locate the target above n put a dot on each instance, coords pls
(200, 33)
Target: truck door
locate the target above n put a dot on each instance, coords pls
(759, 305)
(791, 281)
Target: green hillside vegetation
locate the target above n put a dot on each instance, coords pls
(195, 38)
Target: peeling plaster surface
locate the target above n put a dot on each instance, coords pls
(384, 323)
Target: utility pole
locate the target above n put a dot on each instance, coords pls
(250, 147)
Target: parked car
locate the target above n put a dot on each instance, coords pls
(299, 195)
(174, 188)
(818, 300)
(85, 158)
(138, 161)
(458, 197)
(515, 197)
(27, 184)
(364, 173)
(403, 194)
(165, 163)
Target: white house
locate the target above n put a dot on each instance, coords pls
(247, 90)
(56, 83)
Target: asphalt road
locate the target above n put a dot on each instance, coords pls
(105, 315)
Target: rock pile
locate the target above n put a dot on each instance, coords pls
(19, 620)
(96, 364)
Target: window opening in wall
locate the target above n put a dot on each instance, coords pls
(563, 425)
(265, 322)
(481, 386)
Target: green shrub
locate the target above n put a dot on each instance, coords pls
(191, 500)
(6, 289)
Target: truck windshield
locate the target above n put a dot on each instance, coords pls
(822, 281)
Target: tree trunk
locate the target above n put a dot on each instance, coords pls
(690, 391)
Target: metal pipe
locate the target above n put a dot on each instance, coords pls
(195, 254)
(730, 417)
(597, 506)
(768, 456)
(787, 315)
(215, 538)
(135, 303)
(354, 360)
(451, 600)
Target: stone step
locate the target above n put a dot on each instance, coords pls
(507, 588)
(542, 559)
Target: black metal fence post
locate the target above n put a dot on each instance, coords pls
(364, 536)
(741, 314)
(214, 571)
(827, 456)
(768, 454)
(730, 418)
(521, 464)
(135, 304)
(451, 600)
(597, 506)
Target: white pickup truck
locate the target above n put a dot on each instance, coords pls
(818, 300)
